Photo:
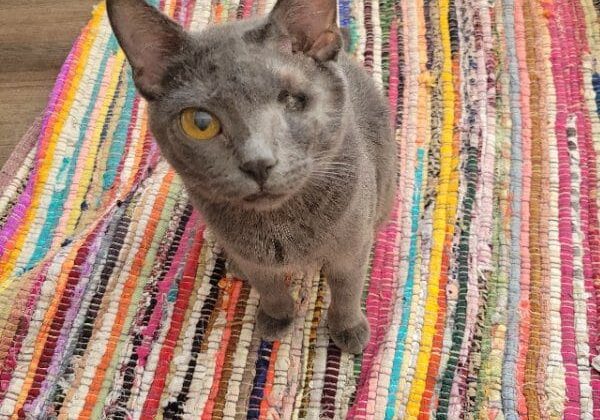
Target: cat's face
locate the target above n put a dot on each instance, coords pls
(244, 113)
(279, 116)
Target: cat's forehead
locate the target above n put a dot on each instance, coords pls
(224, 45)
(226, 37)
(221, 54)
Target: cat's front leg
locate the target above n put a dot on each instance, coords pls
(348, 326)
(276, 308)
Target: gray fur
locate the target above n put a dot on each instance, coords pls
(330, 161)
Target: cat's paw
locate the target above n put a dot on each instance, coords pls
(232, 268)
(353, 339)
(270, 328)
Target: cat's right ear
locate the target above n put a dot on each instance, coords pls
(310, 25)
(149, 39)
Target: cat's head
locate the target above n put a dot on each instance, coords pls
(248, 112)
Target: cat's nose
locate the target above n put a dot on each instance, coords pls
(258, 169)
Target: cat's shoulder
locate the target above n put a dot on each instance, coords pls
(364, 94)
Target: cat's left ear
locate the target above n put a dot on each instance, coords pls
(150, 41)
(311, 26)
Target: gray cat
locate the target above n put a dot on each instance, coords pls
(283, 143)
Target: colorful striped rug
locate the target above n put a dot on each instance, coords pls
(484, 291)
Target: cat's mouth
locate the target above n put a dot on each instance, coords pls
(263, 197)
(264, 200)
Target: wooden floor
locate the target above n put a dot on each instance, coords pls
(35, 38)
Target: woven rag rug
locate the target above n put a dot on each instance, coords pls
(483, 293)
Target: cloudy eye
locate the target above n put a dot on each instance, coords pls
(293, 102)
(199, 124)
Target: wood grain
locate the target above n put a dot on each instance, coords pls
(35, 38)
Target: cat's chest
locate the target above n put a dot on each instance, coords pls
(270, 242)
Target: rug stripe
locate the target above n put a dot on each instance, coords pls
(440, 219)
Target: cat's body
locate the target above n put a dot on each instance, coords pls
(317, 224)
(303, 172)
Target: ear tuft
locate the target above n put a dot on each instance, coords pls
(326, 46)
(149, 39)
(311, 25)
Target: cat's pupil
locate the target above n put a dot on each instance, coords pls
(202, 120)
(283, 96)
(300, 100)
(295, 102)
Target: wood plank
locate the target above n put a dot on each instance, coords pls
(35, 38)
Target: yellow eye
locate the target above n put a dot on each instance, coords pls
(199, 125)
